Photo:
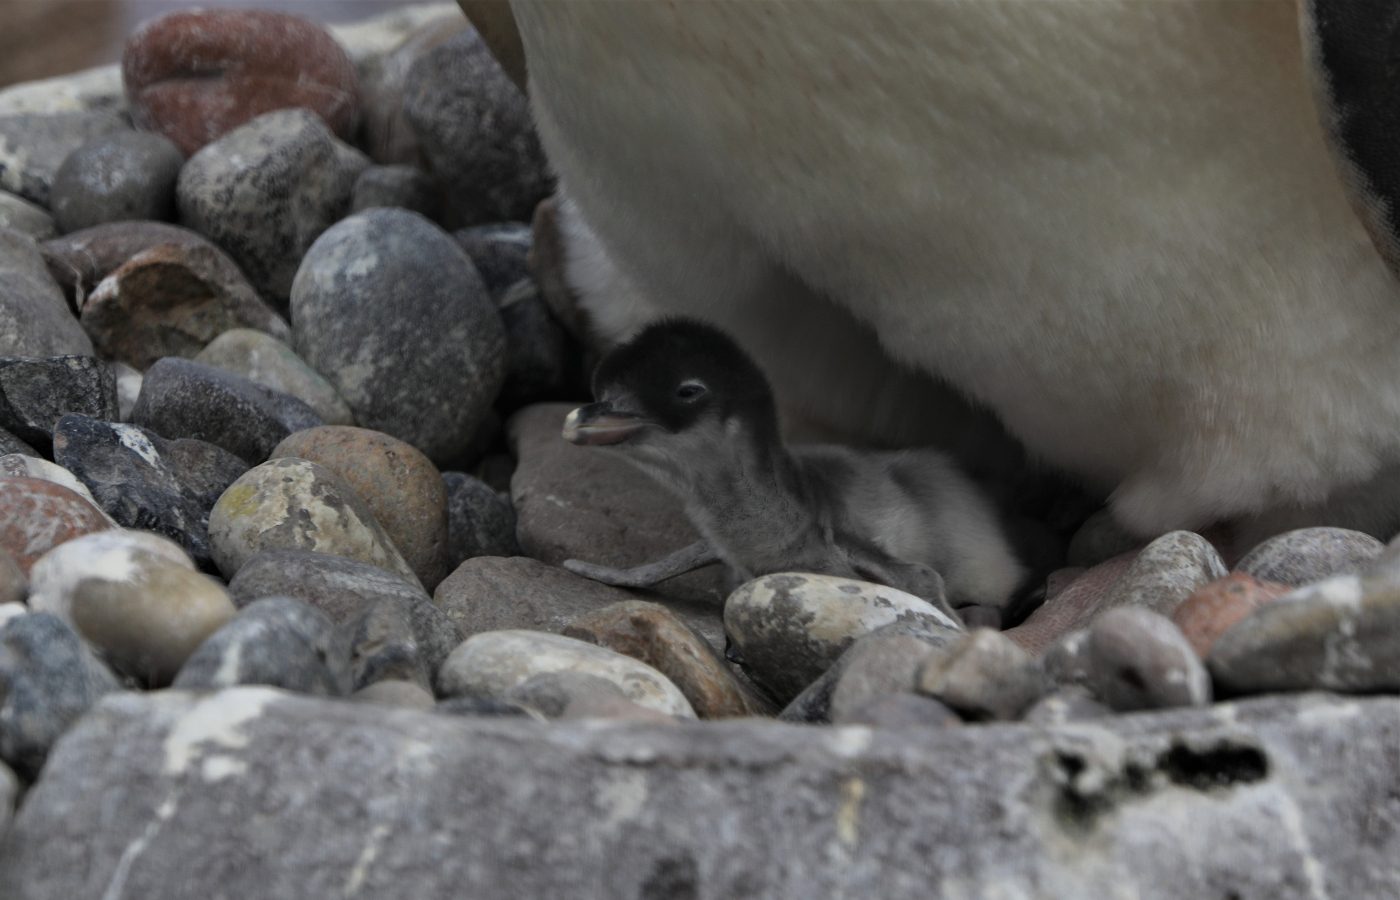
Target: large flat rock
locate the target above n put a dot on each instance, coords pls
(255, 793)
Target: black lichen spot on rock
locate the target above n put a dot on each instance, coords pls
(1221, 766)
(1082, 797)
(672, 878)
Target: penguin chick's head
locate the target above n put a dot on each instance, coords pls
(674, 377)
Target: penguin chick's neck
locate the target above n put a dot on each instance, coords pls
(743, 491)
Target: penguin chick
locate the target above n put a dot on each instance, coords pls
(684, 403)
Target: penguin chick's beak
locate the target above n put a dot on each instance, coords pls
(599, 424)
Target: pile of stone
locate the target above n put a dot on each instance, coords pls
(280, 403)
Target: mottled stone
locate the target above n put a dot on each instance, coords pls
(37, 515)
(475, 131)
(36, 393)
(401, 187)
(172, 300)
(25, 217)
(181, 398)
(19, 465)
(403, 490)
(480, 521)
(1276, 797)
(786, 629)
(402, 694)
(264, 359)
(383, 646)
(78, 261)
(499, 251)
(117, 177)
(294, 504)
(653, 634)
(490, 664)
(1137, 659)
(494, 593)
(33, 146)
(878, 665)
(194, 75)
(266, 190)
(1300, 557)
(813, 705)
(1340, 634)
(47, 680)
(572, 502)
(35, 320)
(113, 553)
(92, 89)
(1215, 608)
(344, 589)
(387, 135)
(147, 621)
(985, 675)
(1159, 578)
(551, 694)
(276, 641)
(411, 287)
(143, 481)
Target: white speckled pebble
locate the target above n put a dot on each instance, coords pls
(490, 664)
(788, 628)
(135, 597)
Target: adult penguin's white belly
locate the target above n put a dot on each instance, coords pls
(1116, 224)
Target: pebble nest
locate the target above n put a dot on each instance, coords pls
(297, 424)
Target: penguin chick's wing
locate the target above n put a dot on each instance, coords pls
(686, 559)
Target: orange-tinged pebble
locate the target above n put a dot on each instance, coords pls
(1210, 611)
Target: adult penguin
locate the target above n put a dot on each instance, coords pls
(1151, 238)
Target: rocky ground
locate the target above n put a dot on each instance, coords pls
(283, 500)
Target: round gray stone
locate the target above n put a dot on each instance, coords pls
(264, 359)
(1306, 555)
(181, 398)
(266, 190)
(48, 678)
(35, 319)
(475, 130)
(420, 352)
(118, 177)
(1137, 659)
(276, 641)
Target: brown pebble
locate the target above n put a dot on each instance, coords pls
(37, 515)
(1210, 611)
(653, 634)
(195, 75)
(401, 487)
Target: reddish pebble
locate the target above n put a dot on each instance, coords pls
(1210, 611)
(195, 75)
(36, 516)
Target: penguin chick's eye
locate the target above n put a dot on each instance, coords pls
(690, 390)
